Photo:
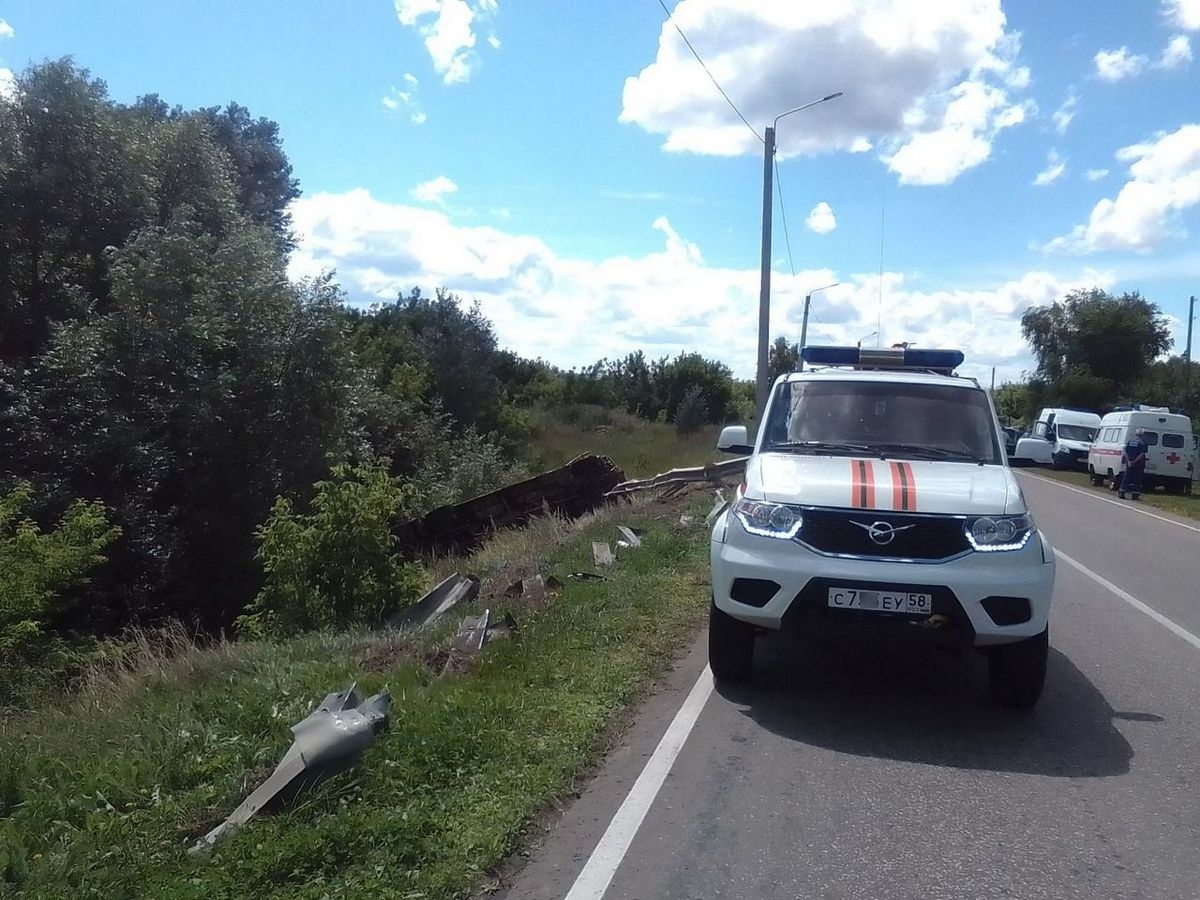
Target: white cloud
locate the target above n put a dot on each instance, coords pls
(1019, 78)
(1066, 112)
(448, 28)
(8, 83)
(821, 219)
(6, 30)
(573, 311)
(494, 42)
(1184, 14)
(1056, 167)
(969, 124)
(396, 99)
(412, 79)
(1164, 180)
(1178, 52)
(933, 75)
(1095, 174)
(434, 190)
(1114, 65)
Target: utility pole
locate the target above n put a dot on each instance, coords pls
(1187, 353)
(764, 284)
(764, 288)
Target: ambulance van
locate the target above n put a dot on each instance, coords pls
(1171, 448)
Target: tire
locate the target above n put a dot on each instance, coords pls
(730, 646)
(1097, 480)
(1017, 672)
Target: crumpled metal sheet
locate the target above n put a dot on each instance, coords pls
(677, 478)
(328, 740)
(443, 597)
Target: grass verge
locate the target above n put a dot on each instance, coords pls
(641, 448)
(1180, 505)
(100, 797)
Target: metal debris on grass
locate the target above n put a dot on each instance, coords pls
(678, 479)
(327, 741)
(442, 598)
(586, 576)
(631, 537)
(687, 521)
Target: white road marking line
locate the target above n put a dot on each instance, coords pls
(598, 873)
(1132, 600)
(1141, 512)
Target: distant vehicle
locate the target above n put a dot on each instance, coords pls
(1170, 459)
(1060, 438)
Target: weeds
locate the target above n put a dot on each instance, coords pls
(101, 797)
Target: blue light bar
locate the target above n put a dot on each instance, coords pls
(896, 358)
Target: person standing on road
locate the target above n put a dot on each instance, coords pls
(1134, 459)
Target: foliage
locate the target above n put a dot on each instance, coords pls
(1094, 337)
(336, 565)
(42, 571)
(783, 357)
(1012, 402)
(692, 412)
(102, 802)
(210, 387)
(1172, 382)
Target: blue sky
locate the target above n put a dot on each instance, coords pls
(572, 168)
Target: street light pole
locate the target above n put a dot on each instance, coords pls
(764, 288)
(804, 321)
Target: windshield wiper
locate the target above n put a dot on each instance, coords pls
(827, 447)
(919, 451)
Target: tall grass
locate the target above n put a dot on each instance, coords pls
(640, 447)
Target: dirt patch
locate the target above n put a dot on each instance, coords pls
(388, 655)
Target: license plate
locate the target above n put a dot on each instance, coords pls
(909, 602)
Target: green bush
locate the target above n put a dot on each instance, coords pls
(692, 413)
(40, 572)
(465, 467)
(335, 565)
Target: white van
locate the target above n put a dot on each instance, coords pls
(1060, 438)
(1171, 453)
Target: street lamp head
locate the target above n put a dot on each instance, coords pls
(831, 97)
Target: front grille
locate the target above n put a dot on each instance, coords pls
(846, 532)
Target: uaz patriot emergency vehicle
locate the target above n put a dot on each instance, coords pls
(878, 503)
(1170, 454)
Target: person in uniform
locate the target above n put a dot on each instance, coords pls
(1133, 457)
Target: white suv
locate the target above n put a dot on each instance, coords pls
(878, 504)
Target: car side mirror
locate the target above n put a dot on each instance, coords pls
(733, 439)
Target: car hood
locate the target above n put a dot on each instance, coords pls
(953, 488)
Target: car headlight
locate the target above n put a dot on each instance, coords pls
(775, 520)
(999, 532)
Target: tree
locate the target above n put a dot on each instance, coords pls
(692, 412)
(1012, 402)
(784, 357)
(1093, 334)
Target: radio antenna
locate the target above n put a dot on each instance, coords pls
(879, 304)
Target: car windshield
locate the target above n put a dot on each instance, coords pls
(899, 420)
(1076, 433)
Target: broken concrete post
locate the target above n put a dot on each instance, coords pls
(327, 741)
(602, 554)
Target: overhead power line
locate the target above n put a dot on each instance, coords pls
(708, 72)
(787, 241)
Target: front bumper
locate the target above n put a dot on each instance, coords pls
(959, 586)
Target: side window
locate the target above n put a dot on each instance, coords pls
(1113, 434)
(1039, 430)
(1107, 435)
(1173, 440)
(1151, 438)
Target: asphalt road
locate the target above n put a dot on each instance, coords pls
(889, 775)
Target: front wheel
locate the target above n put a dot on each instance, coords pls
(1017, 671)
(730, 646)
(1097, 480)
